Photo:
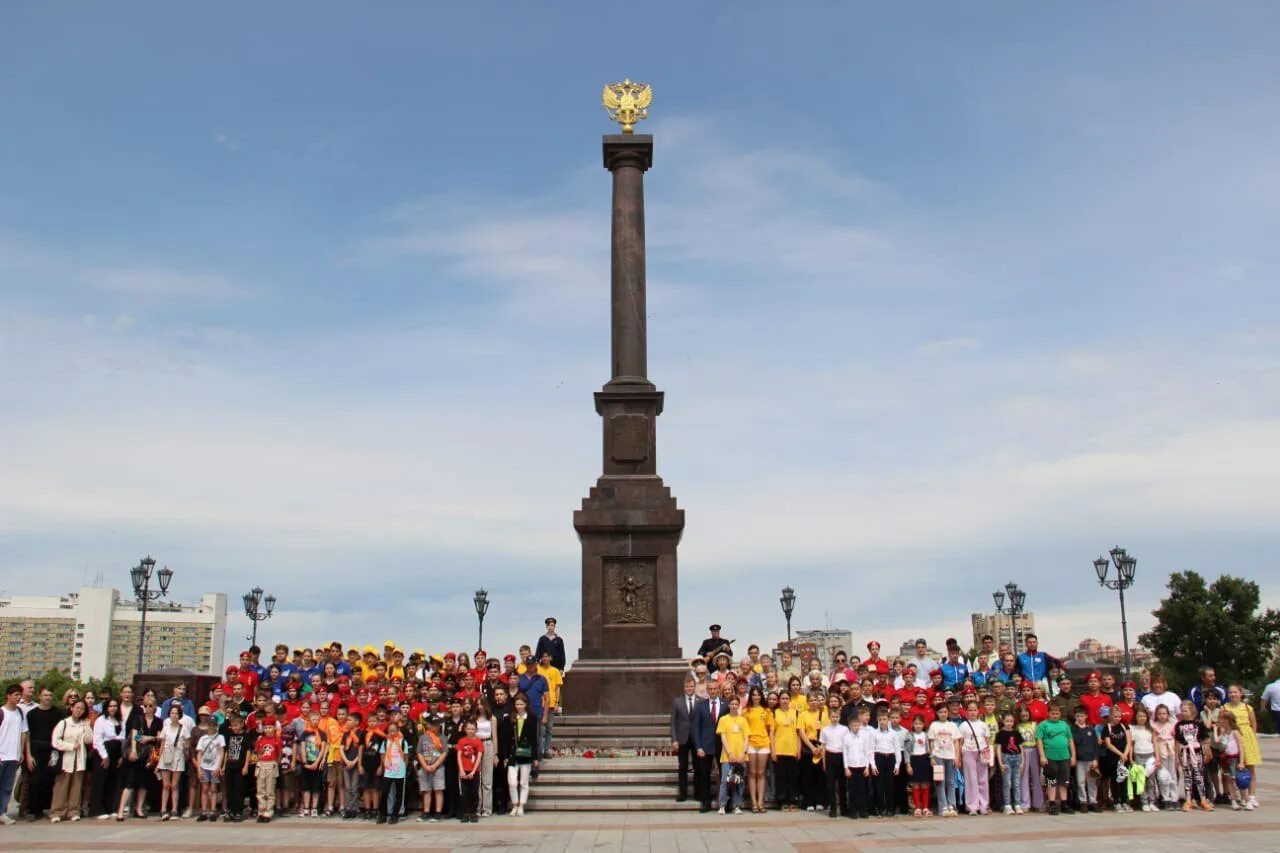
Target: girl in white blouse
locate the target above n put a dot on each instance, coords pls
(485, 731)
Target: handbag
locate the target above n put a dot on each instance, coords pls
(984, 752)
(939, 773)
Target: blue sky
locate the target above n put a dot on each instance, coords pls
(316, 299)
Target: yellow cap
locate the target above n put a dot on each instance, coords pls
(388, 644)
(370, 650)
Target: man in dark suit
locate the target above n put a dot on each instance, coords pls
(682, 708)
(706, 742)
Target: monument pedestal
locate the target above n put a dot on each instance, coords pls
(629, 525)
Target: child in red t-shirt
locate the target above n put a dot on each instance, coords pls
(469, 750)
(266, 751)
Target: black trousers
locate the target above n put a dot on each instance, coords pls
(702, 779)
(105, 796)
(501, 793)
(885, 784)
(813, 788)
(452, 792)
(786, 780)
(470, 796)
(837, 789)
(686, 753)
(392, 787)
(859, 802)
(41, 786)
(233, 782)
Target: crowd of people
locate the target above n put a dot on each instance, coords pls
(917, 735)
(368, 734)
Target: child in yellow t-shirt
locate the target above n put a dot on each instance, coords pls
(734, 732)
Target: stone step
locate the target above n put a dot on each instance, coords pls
(625, 745)
(563, 731)
(601, 779)
(590, 792)
(626, 765)
(557, 804)
(613, 720)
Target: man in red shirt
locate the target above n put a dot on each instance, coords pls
(248, 673)
(875, 663)
(1094, 700)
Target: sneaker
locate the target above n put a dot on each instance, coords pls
(1249, 806)
(1008, 809)
(1253, 801)
(1235, 805)
(1018, 810)
(1206, 806)
(721, 811)
(1186, 806)
(737, 810)
(202, 818)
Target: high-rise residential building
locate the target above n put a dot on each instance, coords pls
(1002, 628)
(827, 642)
(89, 632)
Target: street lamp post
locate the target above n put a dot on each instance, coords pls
(1017, 604)
(253, 608)
(141, 577)
(1126, 568)
(788, 601)
(481, 602)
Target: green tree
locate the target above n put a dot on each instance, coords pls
(1217, 625)
(58, 681)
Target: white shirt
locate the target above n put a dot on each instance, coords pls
(104, 730)
(943, 735)
(1169, 699)
(832, 737)
(924, 666)
(886, 741)
(974, 735)
(919, 743)
(484, 728)
(1142, 740)
(859, 747)
(1271, 694)
(11, 732)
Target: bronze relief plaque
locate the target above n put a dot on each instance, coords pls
(630, 595)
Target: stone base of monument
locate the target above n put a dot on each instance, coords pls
(623, 687)
(607, 785)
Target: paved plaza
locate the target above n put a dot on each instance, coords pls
(683, 831)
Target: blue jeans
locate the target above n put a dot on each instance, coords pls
(947, 787)
(725, 770)
(1012, 779)
(8, 774)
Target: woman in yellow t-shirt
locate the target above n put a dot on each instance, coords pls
(810, 723)
(759, 745)
(795, 688)
(786, 753)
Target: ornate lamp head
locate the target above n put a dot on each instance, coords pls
(1018, 599)
(627, 103)
(998, 598)
(1100, 566)
(788, 601)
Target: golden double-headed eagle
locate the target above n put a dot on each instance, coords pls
(627, 103)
